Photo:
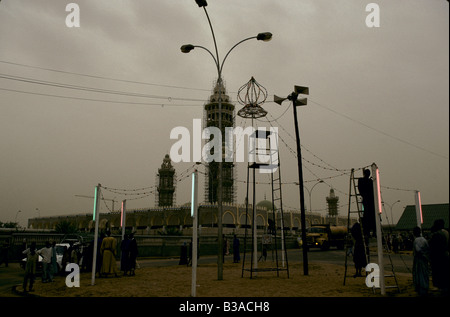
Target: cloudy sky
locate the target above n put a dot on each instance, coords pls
(96, 104)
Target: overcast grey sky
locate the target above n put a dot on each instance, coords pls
(376, 95)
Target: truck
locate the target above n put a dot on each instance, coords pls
(324, 236)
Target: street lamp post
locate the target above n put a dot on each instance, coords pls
(219, 65)
(15, 219)
(390, 207)
(310, 192)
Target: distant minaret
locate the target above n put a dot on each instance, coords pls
(211, 118)
(166, 183)
(333, 206)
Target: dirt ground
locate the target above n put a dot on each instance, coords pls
(323, 280)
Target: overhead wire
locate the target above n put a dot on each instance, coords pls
(90, 89)
(140, 95)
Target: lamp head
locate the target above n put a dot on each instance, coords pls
(201, 3)
(266, 36)
(187, 48)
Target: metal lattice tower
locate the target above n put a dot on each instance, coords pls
(252, 95)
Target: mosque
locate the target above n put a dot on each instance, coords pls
(166, 217)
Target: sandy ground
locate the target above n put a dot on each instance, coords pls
(323, 280)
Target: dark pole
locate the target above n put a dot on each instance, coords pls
(293, 97)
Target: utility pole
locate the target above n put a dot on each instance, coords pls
(299, 102)
(194, 215)
(95, 217)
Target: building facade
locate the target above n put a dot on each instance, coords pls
(159, 220)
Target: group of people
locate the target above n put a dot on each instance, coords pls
(236, 247)
(106, 255)
(49, 264)
(432, 253)
(429, 256)
(129, 255)
(105, 260)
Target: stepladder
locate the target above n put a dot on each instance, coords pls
(367, 251)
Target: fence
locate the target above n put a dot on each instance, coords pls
(148, 245)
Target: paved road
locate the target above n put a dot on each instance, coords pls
(401, 262)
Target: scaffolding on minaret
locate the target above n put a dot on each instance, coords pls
(211, 119)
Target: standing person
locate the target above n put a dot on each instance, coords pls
(125, 255)
(133, 254)
(183, 255)
(74, 254)
(54, 264)
(30, 267)
(224, 247)
(365, 187)
(439, 255)
(236, 255)
(395, 243)
(46, 253)
(359, 252)
(420, 263)
(108, 250)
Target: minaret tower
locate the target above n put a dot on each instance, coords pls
(211, 118)
(166, 183)
(333, 206)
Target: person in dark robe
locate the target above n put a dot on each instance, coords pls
(236, 255)
(125, 255)
(359, 251)
(439, 256)
(133, 254)
(365, 187)
(183, 255)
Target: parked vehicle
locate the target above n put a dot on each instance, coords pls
(60, 249)
(325, 236)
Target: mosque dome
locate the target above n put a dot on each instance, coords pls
(266, 204)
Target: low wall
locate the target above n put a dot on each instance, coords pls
(148, 245)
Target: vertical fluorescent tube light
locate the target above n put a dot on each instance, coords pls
(194, 215)
(95, 203)
(419, 215)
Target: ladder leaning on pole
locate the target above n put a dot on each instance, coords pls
(354, 192)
